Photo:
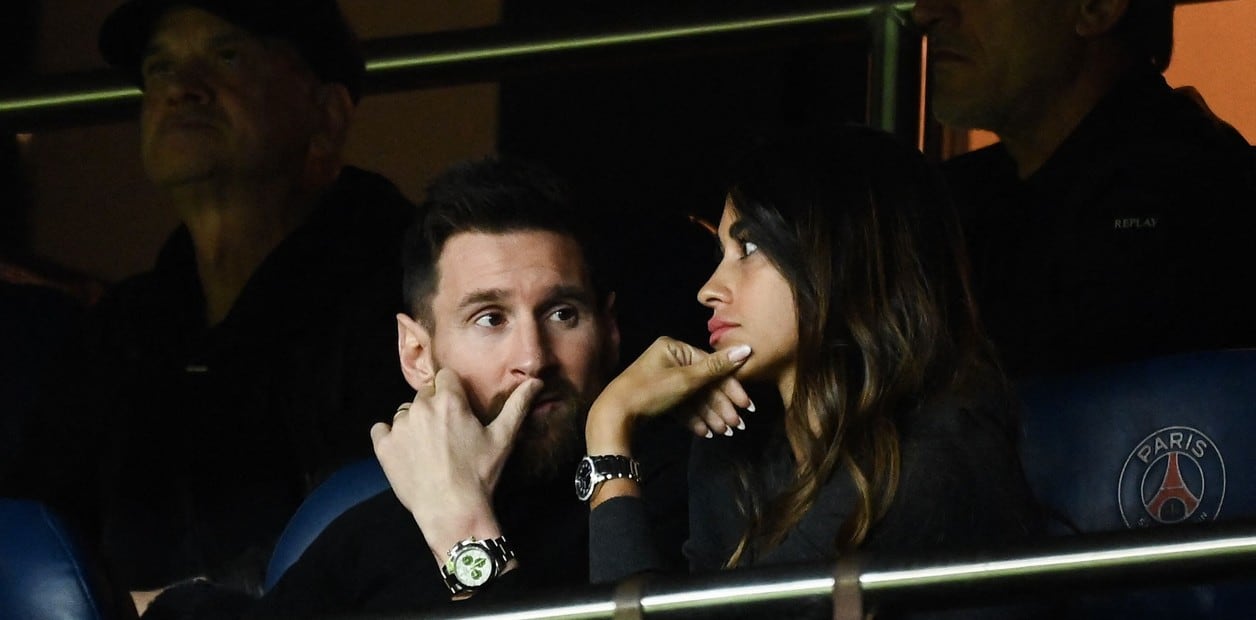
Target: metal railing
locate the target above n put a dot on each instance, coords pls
(1164, 556)
(424, 61)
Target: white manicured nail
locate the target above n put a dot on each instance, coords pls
(751, 408)
(728, 431)
(738, 353)
(709, 434)
(741, 425)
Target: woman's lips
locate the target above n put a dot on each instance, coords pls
(718, 328)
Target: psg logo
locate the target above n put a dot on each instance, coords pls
(1175, 475)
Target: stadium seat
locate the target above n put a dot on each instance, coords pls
(1159, 442)
(343, 490)
(43, 572)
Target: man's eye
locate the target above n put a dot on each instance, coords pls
(491, 319)
(155, 68)
(564, 315)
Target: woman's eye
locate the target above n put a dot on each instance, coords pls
(490, 320)
(748, 248)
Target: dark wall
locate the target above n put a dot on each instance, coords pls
(17, 50)
(647, 140)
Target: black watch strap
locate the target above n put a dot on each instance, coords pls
(594, 470)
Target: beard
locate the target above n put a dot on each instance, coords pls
(549, 443)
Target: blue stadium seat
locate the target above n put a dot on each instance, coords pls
(343, 490)
(43, 573)
(1159, 442)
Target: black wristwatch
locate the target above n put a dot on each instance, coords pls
(594, 470)
(473, 563)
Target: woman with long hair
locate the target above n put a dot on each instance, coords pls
(842, 291)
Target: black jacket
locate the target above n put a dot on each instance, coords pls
(1132, 240)
(373, 559)
(181, 450)
(960, 484)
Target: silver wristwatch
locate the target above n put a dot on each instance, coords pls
(594, 470)
(473, 563)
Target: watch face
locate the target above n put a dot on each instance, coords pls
(584, 479)
(473, 567)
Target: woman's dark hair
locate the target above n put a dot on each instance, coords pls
(862, 228)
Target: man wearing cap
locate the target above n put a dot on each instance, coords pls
(1111, 221)
(207, 397)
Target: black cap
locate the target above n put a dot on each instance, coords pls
(316, 28)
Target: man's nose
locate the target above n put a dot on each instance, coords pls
(186, 81)
(532, 353)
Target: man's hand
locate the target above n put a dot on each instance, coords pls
(443, 464)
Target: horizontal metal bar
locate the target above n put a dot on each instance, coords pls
(1182, 555)
(68, 98)
(104, 95)
(735, 596)
(500, 52)
(1074, 564)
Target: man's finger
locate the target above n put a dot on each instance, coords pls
(506, 425)
(379, 430)
(425, 391)
(448, 381)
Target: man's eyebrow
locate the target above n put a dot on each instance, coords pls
(580, 294)
(483, 296)
(568, 292)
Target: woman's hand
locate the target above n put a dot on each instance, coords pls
(664, 376)
(714, 411)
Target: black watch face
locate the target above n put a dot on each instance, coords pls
(584, 479)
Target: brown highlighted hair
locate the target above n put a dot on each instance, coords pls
(862, 228)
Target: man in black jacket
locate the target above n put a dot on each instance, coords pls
(207, 397)
(1111, 221)
(509, 337)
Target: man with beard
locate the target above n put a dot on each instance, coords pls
(1111, 221)
(510, 335)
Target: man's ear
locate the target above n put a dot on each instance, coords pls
(414, 351)
(1098, 17)
(335, 107)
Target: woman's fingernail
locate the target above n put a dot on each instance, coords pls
(728, 431)
(741, 424)
(751, 408)
(738, 353)
(709, 434)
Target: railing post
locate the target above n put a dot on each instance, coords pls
(847, 595)
(891, 63)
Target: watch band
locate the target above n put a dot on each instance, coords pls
(498, 552)
(594, 470)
